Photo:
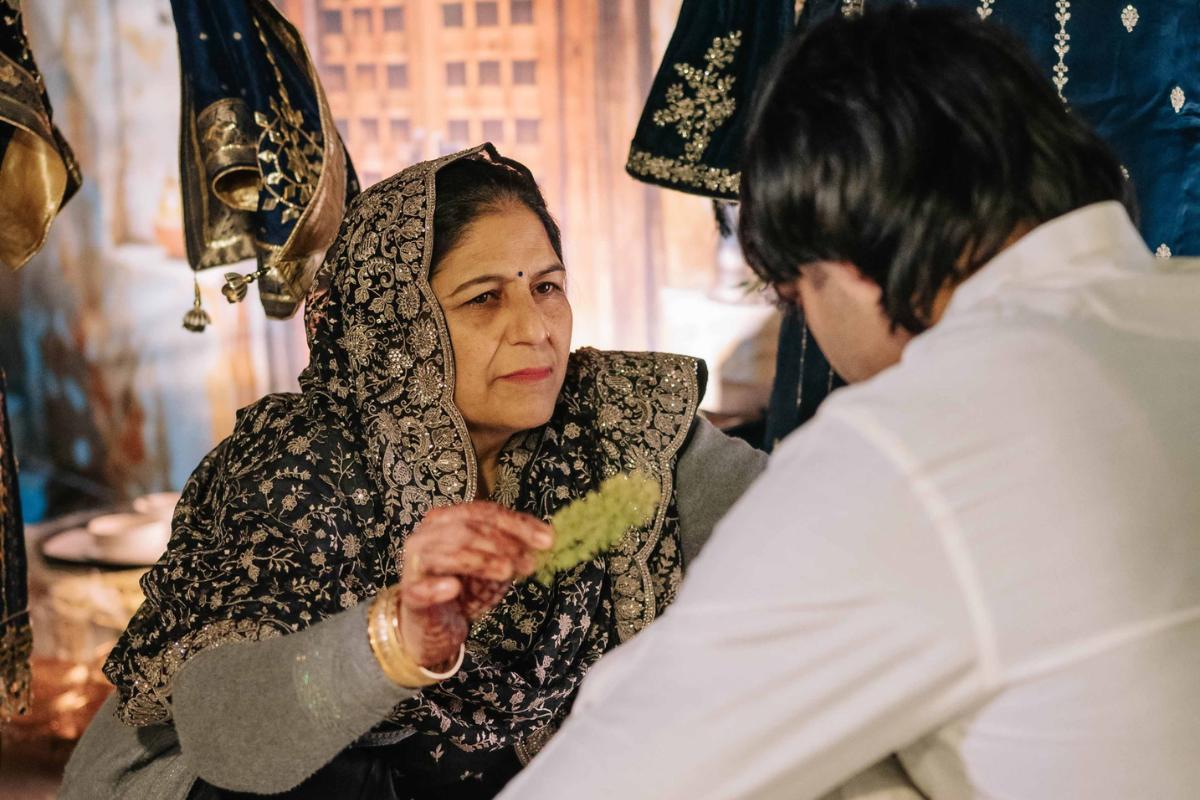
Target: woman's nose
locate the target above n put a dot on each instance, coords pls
(525, 323)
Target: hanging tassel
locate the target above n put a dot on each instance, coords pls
(236, 284)
(197, 319)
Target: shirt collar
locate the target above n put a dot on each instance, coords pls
(1052, 251)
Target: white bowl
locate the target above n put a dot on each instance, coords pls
(159, 504)
(129, 538)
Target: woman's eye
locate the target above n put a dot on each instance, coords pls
(547, 287)
(482, 299)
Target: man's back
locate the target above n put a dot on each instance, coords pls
(1053, 420)
(986, 558)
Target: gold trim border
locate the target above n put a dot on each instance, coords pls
(709, 181)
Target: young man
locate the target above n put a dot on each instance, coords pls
(985, 555)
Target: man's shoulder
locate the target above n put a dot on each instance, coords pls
(972, 386)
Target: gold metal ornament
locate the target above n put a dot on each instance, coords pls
(237, 285)
(196, 319)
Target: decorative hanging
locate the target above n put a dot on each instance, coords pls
(264, 172)
(16, 638)
(690, 134)
(38, 171)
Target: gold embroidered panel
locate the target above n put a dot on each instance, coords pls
(690, 133)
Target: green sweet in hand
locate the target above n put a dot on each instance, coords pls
(598, 521)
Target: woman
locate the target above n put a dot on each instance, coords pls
(439, 372)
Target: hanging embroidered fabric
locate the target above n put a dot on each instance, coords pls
(690, 133)
(38, 175)
(690, 137)
(1132, 70)
(16, 639)
(38, 171)
(263, 170)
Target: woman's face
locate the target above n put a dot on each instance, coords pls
(503, 291)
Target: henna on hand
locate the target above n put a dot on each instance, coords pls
(458, 564)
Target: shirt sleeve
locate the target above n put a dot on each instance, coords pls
(263, 716)
(821, 629)
(713, 472)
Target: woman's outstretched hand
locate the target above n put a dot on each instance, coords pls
(459, 562)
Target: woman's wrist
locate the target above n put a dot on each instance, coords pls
(383, 630)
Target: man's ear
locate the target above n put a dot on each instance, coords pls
(852, 280)
(788, 291)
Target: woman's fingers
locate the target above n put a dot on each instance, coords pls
(531, 531)
(526, 564)
(466, 561)
(482, 544)
(421, 594)
(482, 537)
(480, 596)
(458, 564)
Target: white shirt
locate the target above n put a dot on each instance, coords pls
(986, 558)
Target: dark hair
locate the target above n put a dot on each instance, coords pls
(471, 187)
(911, 143)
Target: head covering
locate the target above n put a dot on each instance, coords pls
(264, 172)
(304, 510)
(38, 171)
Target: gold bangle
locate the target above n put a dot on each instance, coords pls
(383, 631)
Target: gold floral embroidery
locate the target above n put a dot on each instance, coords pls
(664, 168)
(290, 156)
(852, 8)
(649, 436)
(985, 8)
(1062, 46)
(1177, 99)
(320, 545)
(1129, 18)
(1163, 251)
(695, 118)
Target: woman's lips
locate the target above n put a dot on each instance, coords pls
(531, 375)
